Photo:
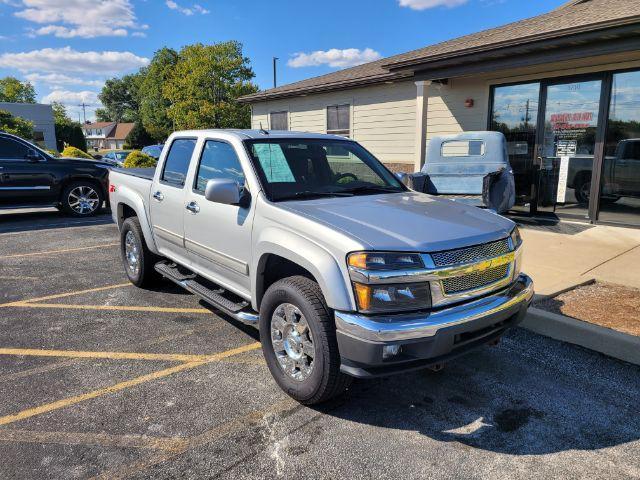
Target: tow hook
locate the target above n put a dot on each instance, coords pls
(436, 367)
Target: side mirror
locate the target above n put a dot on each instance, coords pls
(33, 156)
(403, 177)
(223, 190)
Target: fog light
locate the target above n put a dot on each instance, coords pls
(389, 351)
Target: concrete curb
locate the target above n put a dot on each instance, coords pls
(604, 340)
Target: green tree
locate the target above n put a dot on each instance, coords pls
(154, 105)
(68, 132)
(102, 115)
(16, 125)
(14, 91)
(120, 98)
(204, 85)
(138, 137)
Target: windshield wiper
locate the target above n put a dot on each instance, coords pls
(372, 188)
(311, 194)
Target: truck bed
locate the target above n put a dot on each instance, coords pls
(137, 172)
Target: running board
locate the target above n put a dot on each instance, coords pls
(239, 310)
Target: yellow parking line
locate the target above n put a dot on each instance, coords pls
(169, 444)
(53, 252)
(164, 357)
(48, 407)
(67, 294)
(216, 433)
(124, 308)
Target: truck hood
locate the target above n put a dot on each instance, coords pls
(405, 221)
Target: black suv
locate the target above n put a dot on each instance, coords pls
(30, 177)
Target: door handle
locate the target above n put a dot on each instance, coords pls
(158, 196)
(193, 207)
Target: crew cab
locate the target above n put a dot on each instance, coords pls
(345, 271)
(30, 177)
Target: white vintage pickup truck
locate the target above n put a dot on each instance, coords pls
(346, 272)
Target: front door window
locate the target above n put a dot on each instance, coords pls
(567, 146)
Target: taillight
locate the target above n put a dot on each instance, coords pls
(112, 188)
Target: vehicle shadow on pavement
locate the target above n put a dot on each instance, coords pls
(530, 395)
(17, 221)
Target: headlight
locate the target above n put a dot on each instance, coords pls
(516, 239)
(392, 298)
(400, 297)
(385, 260)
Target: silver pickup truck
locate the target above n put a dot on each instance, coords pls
(345, 271)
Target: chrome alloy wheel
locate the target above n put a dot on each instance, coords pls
(292, 341)
(83, 199)
(132, 253)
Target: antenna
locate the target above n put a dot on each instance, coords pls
(262, 130)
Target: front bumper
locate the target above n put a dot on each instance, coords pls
(428, 338)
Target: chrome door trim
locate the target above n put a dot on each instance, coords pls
(41, 187)
(169, 236)
(217, 257)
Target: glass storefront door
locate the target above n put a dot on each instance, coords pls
(567, 145)
(620, 180)
(515, 113)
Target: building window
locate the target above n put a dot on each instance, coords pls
(338, 122)
(515, 113)
(279, 120)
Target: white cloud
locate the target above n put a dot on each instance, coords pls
(425, 4)
(334, 57)
(59, 79)
(68, 97)
(79, 18)
(196, 8)
(66, 60)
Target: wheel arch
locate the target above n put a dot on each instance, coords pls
(130, 204)
(281, 254)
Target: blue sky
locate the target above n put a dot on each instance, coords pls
(67, 48)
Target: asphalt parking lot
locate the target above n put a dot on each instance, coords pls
(100, 379)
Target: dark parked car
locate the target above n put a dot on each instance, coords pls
(30, 177)
(153, 150)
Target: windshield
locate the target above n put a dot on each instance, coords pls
(307, 168)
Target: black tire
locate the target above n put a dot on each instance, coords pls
(582, 189)
(145, 275)
(96, 197)
(325, 381)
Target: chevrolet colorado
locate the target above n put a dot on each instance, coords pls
(345, 271)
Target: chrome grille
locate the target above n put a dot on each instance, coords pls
(471, 254)
(474, 280)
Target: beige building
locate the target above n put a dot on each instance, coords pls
(564, 87)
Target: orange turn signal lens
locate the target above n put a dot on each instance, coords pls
(358, 260)
(363, 295)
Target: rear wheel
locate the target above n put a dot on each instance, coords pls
(81, 198)
(299, 341)
(138, 260)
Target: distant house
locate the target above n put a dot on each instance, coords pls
(106, 135)
(44, 131)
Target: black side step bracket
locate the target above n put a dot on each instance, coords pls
(218, 297)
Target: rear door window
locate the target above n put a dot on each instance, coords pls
(176, 165)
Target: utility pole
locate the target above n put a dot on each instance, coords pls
(84, 110)
(275, 82)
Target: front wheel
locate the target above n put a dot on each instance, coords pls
(137, 258)
(299, 341)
